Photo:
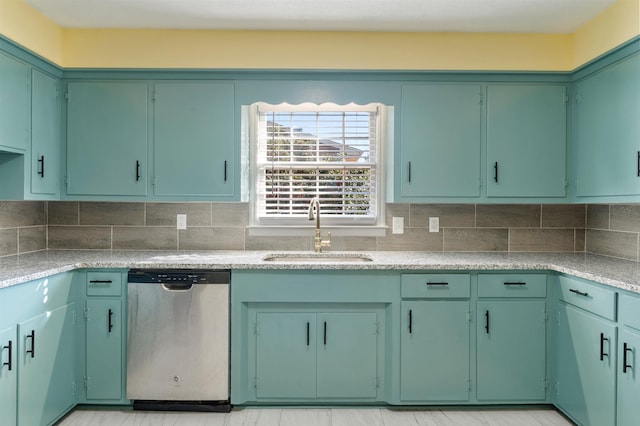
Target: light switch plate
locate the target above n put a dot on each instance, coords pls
(434, 224)
(398, 225)
(181, 221)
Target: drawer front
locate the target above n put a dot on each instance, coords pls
(104, 283)
(587, 296)
(630, 310)
(436, 286)
(512, 285)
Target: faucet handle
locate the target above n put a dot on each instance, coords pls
(327, 243)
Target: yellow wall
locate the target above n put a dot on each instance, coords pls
(111, 48)
(614, 26)
(29, 28)
(315, 50)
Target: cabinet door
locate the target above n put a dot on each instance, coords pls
(8, 375)
(526, 140)
(104, 349)
(107, 138)
(347, 355)
(15, 95)
(511, 343)
(607, 131)
(285, 355)
(45, 134)
(628, 377)
(435, 351)
(585, 366)
(46, 348)
(193, 138)
(440, 153)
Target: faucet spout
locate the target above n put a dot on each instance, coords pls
(318, 243)
(315, 203)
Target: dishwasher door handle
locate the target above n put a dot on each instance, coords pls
(177, 286)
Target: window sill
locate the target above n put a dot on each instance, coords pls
(338, 231)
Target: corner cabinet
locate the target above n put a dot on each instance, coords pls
(526, 140)
(37, 375)
(311, 336)
(435, 338)
(440, 152)
(107, 137)
(586, 352)
(194, 145)
(607, 130)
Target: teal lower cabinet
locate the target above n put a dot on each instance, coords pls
(511, 338)
(628, 359)
(435, 351)
(104, 331)
(316, 355)
(9, 375)
(628, 377)
(37, 376)
(46, 361)
(104, 350)
(586, 352)
(435, 338)
(511, 351)
(305, 336)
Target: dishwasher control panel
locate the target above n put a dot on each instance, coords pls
(187, 276)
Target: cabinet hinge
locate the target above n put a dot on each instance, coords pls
(86, 383)
(545, 316)
(545, 385)
(577, 97)
(66, 96)
(74, 388)
(557, 389)
(376, 328)
(469, 385)
(481, 98)
(153, 97)
(255, 328)
(376, 382)
(86, 314)
(67, 179)
(480, 183)
(153, 181)
(566, 98)
(468, 316)
(255, 383)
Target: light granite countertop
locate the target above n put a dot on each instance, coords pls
(615, 272)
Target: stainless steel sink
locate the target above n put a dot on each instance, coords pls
(317, 257)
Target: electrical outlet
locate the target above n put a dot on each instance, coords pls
(434, 224)
(181, 221)
(398, 225)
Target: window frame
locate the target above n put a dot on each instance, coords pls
(353, 225)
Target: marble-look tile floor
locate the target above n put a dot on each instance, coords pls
(321, 417)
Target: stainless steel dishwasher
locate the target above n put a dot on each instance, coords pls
(178, 340)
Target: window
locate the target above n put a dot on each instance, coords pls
(306, 151)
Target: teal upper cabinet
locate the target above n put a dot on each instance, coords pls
(107, 138)
(15, 101)
(194, 142)
(440, 149)
(45, 134)
(526, 140)
(607, 131)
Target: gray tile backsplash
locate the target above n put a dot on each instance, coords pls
(35, 225)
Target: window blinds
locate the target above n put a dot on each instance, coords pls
(329, 154)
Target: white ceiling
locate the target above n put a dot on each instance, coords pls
(521, 16)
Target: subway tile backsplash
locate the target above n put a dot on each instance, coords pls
(612, 230)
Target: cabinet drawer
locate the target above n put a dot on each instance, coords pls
(590, 297)
(630, 310)
(512, 285)
(104, 283)
(436, 286)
